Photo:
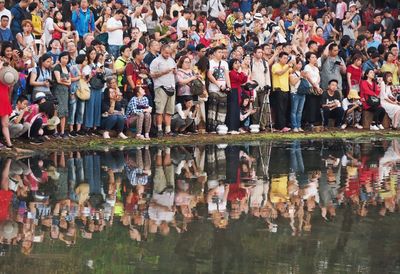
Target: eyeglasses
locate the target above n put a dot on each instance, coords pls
(186, 62)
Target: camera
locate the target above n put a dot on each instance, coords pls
(250, 86)
(181, 43)
(267, 89)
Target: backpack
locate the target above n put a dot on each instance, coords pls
(264, 64)
(28, 86)
(124, 80)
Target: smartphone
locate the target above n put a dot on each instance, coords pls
(337, 63)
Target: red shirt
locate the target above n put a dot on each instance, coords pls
(355, 77)
(367, 90)
(5, 201)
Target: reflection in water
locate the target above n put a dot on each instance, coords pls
(248, 193)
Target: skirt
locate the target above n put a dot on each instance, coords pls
(5, 104)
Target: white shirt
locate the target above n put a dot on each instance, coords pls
(181, 24)
(8, 13)
(220, 75)
(115, 37)
(139, 23)
(48, 29)
(160, 13)
(313, 73)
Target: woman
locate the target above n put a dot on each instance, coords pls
(369, 90)
(389, 101)
(312, 110)
(112, 118)
(354, 72)
(201, 31)
(184, 76)
(76, 106)
(58, 25)
(297, 100)
(5, 111)
(201, 68)
(139, 112)
(41, 77)
(183, 120)
(237, 78)
(61, 90)
(95, 76)
(26, 39)
(246, 69)
(328, 29)
(391, 66)
(319, 36)
(101, 23)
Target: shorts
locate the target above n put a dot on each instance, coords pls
(164, 104)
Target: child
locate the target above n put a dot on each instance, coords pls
(17, 125)
(353, 109)
(245, 111)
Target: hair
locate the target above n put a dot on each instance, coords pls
(63, 54)
(80, 59)
(123, 48)
(333, 80)
(387, 55)
(110, 79)
(232, 62)
(88, 51)
(311, 42)
(181, 60)
(386, 75)
(136, 52)
(43, 58)
(202, 64)
(4, 46)
(175, 13)
(331, 46)
(120, 11)
(365, 76)
(47, 108)
(392, 46)
(283, 54)
(165, 46)
(356, 57)
(167, 18)
(345, 40)
(22, 98)
(26, 22)
(32, 6)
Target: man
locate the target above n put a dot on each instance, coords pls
(121, 63)
(394, 49)
(372, 63)
(290, 25)
(331, 104)
(115, 33)
(212, 29)
(355, 18)
(261, 74)
(177, 6)
(163, 70)
(36, 20)
(17, 126)
(5, 32)
(87, 42)
(230, 20)
(313, 47)
(182, 26)
(4, 11)
(162, 32)
(332, 66)
(219, 84)
(280, 82)
(221, 23)
(154, 50)
(388, 22)
(73, 52)
(369, 34)
(83, 19)
(237, 37)
(19, 14)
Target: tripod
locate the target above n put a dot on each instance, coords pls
(266, 104)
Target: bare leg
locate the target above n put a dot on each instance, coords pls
(5, 130)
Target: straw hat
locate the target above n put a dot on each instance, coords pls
(9, 76)
(8, 229)
(353, 94)
(53, 122)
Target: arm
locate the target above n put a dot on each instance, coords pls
(182, 81)
(20, 40)
(57, 28)
(33, 81)
(281, 72)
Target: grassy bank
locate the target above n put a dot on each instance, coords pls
(93, 143)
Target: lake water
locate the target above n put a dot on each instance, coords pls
(327, 206)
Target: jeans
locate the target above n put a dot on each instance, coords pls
(297, 109)
(296, 158)
(114, 50)
(113, 122)
(76, 110)
(92, 115)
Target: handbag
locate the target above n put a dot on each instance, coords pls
(373, 101)
(83, 91)
(305, 87)
(196, 87)
(170, 91)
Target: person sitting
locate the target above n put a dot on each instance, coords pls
(245, 112)
(183, 120)
(389, 102)
(370, 92)
(352, 107)
(331, 104)
(112, 117)
(17, 125)
(139, 112)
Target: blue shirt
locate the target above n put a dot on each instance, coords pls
(83, 21)
(374, 44)
(6, 35)
(18, 16)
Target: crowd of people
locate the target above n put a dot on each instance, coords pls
(71, 196)
(162, 68)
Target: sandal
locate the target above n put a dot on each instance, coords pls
(140, 137)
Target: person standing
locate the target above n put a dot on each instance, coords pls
(280, 82)
(6, 12)
(115, 31)
(163, 70)
(83, 19)
(19, 14)
(5, 32)
(5, 111)
(332, 67)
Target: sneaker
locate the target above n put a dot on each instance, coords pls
(73, 134)
(36, 141)
(56, 135)
(300, 129)
(94, 132)
(358, 126)
(343, 126)
(381, 127)
(373, 127)
(160, 134)
(296, 130)
(234, 132)
(106, 135)
(170, 134)
(64, 136)
(285, 129)
(122, 136)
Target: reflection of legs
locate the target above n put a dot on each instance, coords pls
(212, 111)
(147, 159)
(139, 159)
(221, 112)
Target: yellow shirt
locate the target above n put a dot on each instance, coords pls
(280, 81)
(37, 25)
(279, 189)
(394, 70)
(120, 63)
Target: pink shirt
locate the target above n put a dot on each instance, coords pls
(341, 8)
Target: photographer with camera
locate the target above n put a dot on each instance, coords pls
(332, 67)
(261, 74)
(219, 86)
